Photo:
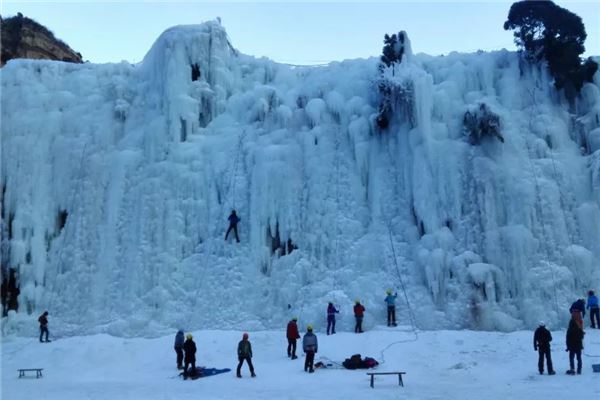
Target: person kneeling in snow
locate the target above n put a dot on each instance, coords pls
(190, 356)
(310, 346)
(245, 353)
(541, 343)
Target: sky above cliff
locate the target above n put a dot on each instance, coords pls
(308, 32)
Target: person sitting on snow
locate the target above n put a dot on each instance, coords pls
(391, 307)
(310, 346)
(233, 221)
(189, 347)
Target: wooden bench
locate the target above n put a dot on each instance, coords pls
(38, 372)
(386, 373)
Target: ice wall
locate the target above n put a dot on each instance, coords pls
(118, 179)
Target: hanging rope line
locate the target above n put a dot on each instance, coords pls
(76, 191)
(538, 201)
(232, 178)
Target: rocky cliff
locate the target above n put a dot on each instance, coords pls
(23, 37)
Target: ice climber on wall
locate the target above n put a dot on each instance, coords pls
(233, 221)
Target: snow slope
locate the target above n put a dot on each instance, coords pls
(449, 365)
(117, 181)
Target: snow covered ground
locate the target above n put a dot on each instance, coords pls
(439, 364)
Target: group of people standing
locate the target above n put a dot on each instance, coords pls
(574, 337)
(186, 353)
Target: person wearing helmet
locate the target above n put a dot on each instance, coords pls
(178, 346)
(391, 307)
(233, 221)
(331, 311)
(245, 353)
(541, 343)
(310, 346)
(292, 336)
(592, 305)
(189, 347)
(359, 313)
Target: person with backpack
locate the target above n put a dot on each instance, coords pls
(541, 343)
(577, 311)
(292, 336)
(574, 346)
(178, 346)
(233, 221)
(331, 311)
(43, 320)
(592, 305)
(359, 313)
(310, 346)
(245, 353)
(391, 307)
(189, 347)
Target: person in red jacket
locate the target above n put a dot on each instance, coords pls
(292, 336)
(359, 313)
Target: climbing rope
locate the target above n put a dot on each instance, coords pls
(75, 192)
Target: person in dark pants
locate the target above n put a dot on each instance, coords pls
(390, 300)
(331, 311)
(245, 353)
(359, 313)
(574, 346)
(43, 320)
(310, 346)
(189, 347)
(178, 346)
(292, 336)
(233, 221)
(541, 343)
(592, 305)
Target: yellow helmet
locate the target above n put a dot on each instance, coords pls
(189, 336)
(357, 301)
(309, 327)
(389, 291)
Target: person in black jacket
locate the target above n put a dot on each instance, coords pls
(43, 320)
(189, 347)
(541, 343)
(233, 221)
(574, 346)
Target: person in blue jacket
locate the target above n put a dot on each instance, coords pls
(592, 305)
(331, 311)
(178, 346)
(391, 307)
(233, 221)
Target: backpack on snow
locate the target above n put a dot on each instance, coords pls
(353, 362)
